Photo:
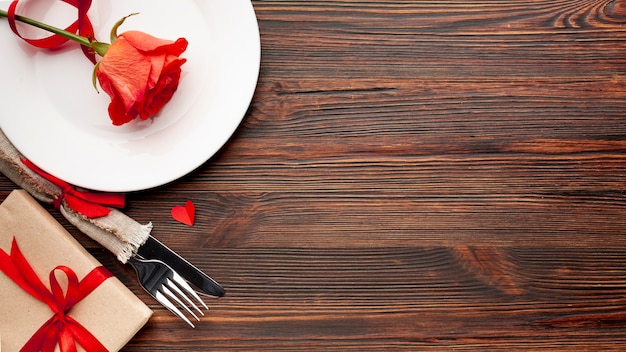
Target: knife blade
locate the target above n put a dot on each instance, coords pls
(153, 249)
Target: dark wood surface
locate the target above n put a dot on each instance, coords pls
(412, 175)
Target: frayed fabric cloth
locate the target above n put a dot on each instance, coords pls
(116, 232)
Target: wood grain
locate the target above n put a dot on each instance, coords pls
(464, 298)
(412, 175)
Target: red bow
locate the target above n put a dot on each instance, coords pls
(61, 328)
(92, 205)
(82, 25)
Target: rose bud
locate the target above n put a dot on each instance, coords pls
(140, 73)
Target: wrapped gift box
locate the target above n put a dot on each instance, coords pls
(112, 313)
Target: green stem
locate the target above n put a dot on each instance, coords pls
(69, 35)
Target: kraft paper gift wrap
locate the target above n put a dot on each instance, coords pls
(112, 313)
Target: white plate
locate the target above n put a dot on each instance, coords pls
(54, 117)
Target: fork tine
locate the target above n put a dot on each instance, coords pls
(159, 280)
(172, 308)
(182, 295)
(185, 286)
(180, 303)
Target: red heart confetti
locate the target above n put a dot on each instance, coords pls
(184, 214)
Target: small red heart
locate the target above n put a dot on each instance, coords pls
(184, 214)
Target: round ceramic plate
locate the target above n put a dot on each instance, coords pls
(52, 114)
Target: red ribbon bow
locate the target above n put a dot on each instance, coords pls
(61, 328)
(90, 204)
(82, 26)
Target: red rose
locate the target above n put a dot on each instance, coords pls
(140, 73)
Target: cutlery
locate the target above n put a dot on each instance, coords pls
(166, 276)
(167, 287)
(153, 249)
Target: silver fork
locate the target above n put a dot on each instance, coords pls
(167, 287)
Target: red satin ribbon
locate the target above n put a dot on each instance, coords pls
(61, 328)
(82, 26)
(90, 204)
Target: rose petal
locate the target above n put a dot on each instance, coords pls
(126, 72)
(147, 43)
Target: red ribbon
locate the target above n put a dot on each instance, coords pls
(90, 204)
(61, 328)
(82, 26)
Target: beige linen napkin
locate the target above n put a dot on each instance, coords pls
(117, 232)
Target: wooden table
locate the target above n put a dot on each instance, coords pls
(412, 175)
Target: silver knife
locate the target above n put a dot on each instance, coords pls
(153, 249)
